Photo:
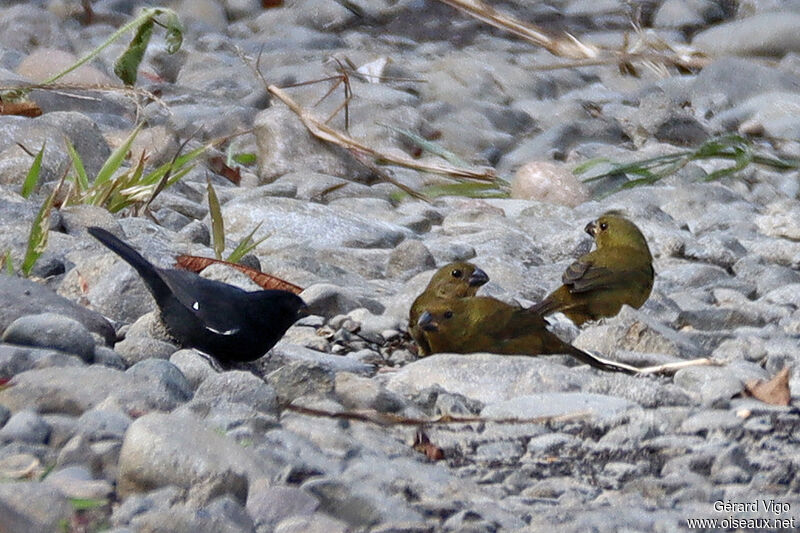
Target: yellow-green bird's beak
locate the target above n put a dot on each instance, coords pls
(427, 323)
(478, 278)
(591, 228)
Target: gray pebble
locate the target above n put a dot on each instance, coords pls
(50, 330)
(26, 426)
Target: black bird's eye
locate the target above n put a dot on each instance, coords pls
(456, 273)
(448, 314)
(604, 226)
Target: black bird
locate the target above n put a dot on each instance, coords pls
(224, 321)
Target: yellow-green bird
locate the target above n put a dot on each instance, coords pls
(619, 271)
(454, 280)
(484, 324)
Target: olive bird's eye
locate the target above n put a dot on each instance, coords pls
(456, 273)
(448, 314)
(604, 225)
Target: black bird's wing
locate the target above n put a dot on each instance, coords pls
(216, 305)
(219, 306)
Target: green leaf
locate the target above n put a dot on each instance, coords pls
(81, 178)
(217, 225)
(127, 64)
(245, 158)
(174, 32)
(33, 174)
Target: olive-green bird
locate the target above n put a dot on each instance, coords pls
(454, 280)
(619, 271)
(485, 324)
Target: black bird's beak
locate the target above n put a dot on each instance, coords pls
(591, 228)
(478, 278)
(427, 323)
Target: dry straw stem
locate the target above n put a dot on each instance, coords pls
(70, 90)
(326, 133)
(666, 369)
(570, 47)
(388, 419)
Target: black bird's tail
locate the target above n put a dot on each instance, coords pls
(145, 268)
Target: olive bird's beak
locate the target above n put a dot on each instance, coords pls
(591, 228)
(427, 323)
(478, 278)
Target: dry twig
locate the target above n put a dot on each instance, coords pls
(370, 156)
(582, 53)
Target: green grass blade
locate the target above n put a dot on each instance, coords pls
(246, 245)
(217, 225)
(116, 158)
(85, 504)
(6, 262)
(179, 162)
(37, 238)
(429, 146)
(82, 179)
(32, 178)
(470, 189)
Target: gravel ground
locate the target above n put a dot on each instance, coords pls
(106, 424)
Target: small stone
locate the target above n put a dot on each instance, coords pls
(300, 378)
(269, 505)
(409, 258)
(548, 182)
(26, 426)
(165, 374)
(238, 386)
(193, 365)
(51, 330)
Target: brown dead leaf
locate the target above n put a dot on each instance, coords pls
(774, 392)
(266, 4)
(195, 263)
(26, 108)
(217, 164)
(83, 284)
(423, 445)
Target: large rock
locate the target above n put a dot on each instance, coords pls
(556, 404)
(296, 223)
(22, 297)
(73, 390)
(487, 378)
(772, 34)
(27, 506)
(161, 449)
(285, 145)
